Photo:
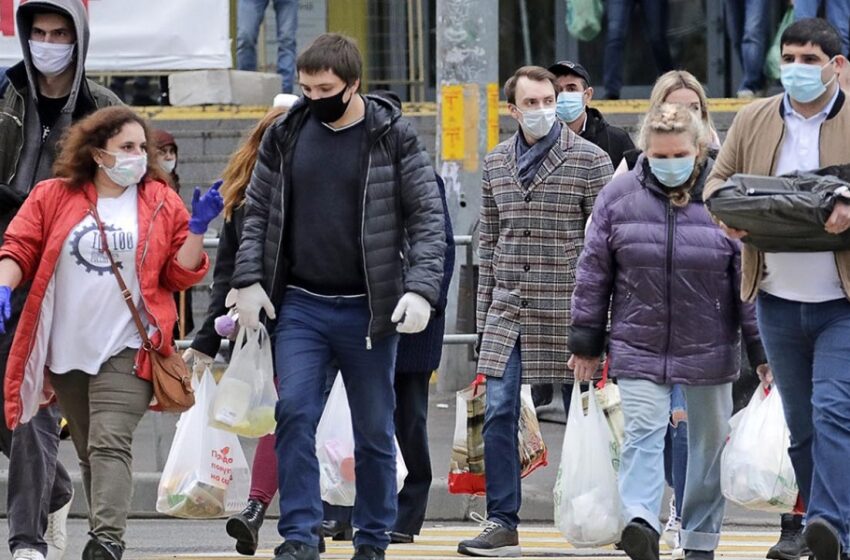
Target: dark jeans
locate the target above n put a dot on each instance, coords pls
(249, 16)
(676, 462)
(312, 332)
(655, 29)
(501, 452)
(837, 13)
(746, 25)
(411, 429)
(38, 483)
(808, 348)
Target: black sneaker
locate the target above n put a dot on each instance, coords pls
(97, 549)
(699, 555)
(639, 540)
(294, 550)
(400, 538)
(245, 527)
(823, 540)
(337, 530)
(368, 552)
(791, 544)
(493, 541)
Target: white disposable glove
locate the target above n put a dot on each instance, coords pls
(248, 302)
(198, 360)
(413, 311)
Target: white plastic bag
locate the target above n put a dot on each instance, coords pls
(335, 450)
(206, 474)
(756, 471)
(587, 501)
(246, 395)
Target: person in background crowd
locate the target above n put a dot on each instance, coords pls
(106, 197)
(837, 13)
(803, 312)
(574, 95)
(618, 16)
(244, 526)
(249, 17)
(674, 320)
(42, 96)
(680, 87)
(326, 243)
(166, 158)
(747, 29)
(537, 193)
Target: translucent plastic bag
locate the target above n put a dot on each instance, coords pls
(246, 396)
(772, 60)
(206, 474)
(609, 400)
(584, 18)
(587, 501)
(756, 471)
(466, 469)
(335, 450)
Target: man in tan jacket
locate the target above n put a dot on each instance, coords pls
(802, 298)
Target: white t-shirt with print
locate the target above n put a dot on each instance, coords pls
(91, 321)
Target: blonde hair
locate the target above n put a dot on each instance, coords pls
(237, 174)
(672, 118)
(675, 80)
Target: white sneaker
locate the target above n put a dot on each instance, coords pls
(678, 554)
(27, 554)
(56, 534)
(670, 534)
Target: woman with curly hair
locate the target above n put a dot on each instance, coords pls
(77, 336)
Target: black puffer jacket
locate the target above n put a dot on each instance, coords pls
(399, 195)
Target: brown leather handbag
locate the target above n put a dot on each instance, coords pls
(172, 380)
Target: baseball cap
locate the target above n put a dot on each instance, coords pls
(568, 67)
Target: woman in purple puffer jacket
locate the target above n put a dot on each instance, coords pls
(670, 278)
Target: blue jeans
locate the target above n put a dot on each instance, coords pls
(501, 447)
(808, 348)
(249, 16)
(646, 407)
(746, 26)
(837, 14)
(618, 16)
(676, 450)
(311, 332)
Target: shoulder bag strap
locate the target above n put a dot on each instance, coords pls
(125, 293)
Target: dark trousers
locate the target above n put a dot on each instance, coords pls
(38, 483)
(411, 429)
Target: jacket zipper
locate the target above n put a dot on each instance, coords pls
(141, 266)
(671, 228)
(280, 247)
(20, 123)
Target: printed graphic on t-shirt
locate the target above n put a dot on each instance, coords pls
(86, 247)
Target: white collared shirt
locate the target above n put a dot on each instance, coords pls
(805, 277)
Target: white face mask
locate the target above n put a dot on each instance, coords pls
(168, 164)
(128, 169)
(51, 59)
(538, 122)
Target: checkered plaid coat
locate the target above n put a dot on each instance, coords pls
(529, 242)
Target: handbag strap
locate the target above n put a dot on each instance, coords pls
(125, 293)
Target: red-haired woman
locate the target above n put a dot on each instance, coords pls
(76, 334)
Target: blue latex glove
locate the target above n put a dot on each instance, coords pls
(205, 208)
(5, 307)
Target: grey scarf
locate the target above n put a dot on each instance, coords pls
(530, 158)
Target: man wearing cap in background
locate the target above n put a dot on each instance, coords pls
(574, 93)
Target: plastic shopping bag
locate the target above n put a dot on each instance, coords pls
(756, 471)
(774, 52)
(206, 474)
(609, 400)
(466, 470)
(246, 396)
(584, 18)
(335, 450)
(587, 501)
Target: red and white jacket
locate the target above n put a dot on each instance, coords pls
(35, 240)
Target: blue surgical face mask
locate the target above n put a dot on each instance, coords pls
(672, 172)
(803, 82)
(570, 105)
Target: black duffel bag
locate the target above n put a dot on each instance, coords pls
(786, 213)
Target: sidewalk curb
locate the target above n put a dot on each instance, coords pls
(536, 504)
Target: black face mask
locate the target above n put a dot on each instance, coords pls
(329, 109)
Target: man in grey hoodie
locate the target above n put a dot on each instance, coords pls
(45, 93)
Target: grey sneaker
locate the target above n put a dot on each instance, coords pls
(791, 544)
(494, 541)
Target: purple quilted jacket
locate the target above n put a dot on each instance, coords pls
(671, 279)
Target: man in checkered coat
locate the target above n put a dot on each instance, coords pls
(538, 189)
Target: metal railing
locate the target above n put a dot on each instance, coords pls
(448, 339)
